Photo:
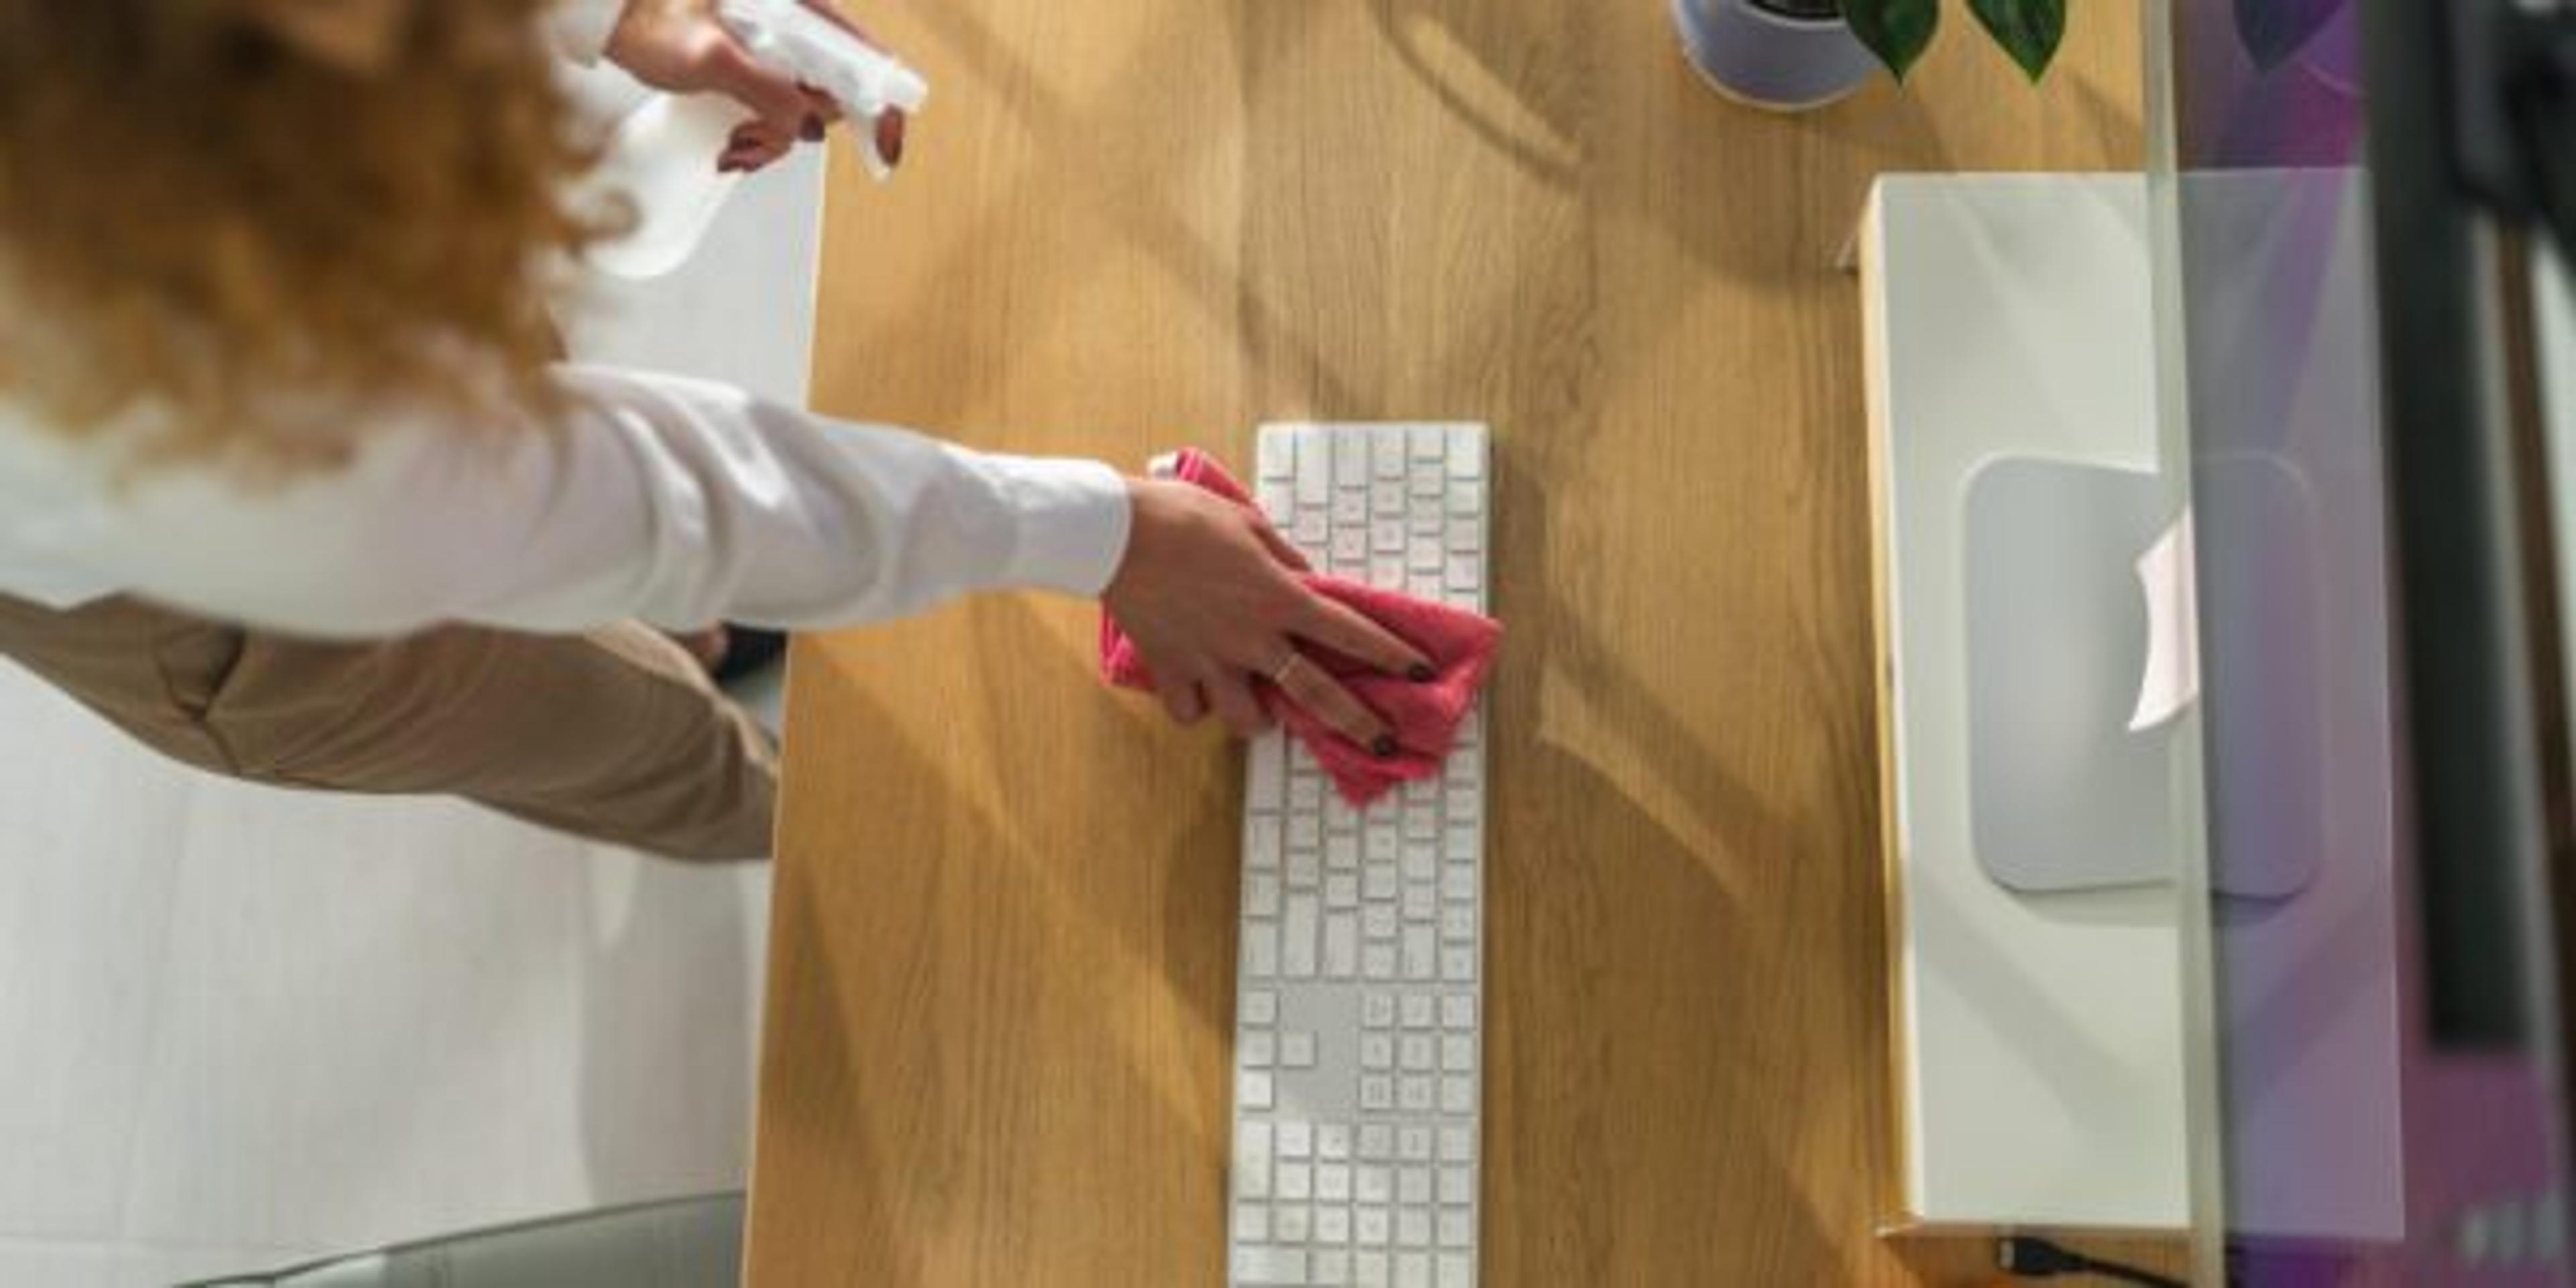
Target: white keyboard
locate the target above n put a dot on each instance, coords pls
(1359, 1049)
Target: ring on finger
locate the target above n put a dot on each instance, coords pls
(1287, 666)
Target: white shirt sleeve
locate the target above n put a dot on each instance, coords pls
(675, 501)
(579, 29)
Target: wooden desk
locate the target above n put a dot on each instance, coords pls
(1001, 976)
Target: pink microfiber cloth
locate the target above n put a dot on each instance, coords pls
(1424, 715)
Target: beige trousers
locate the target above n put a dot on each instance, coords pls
(615, 735)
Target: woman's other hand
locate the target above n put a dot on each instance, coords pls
(681, 46)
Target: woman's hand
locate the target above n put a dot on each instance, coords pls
(1210, 595)
(681, 46)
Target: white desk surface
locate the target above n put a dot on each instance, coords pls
(2040, 1040)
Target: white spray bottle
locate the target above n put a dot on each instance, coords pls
(663, 155)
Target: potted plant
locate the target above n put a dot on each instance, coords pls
(1792, 55)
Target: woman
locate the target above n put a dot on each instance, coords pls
(292, 489)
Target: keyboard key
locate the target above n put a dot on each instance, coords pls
(1377, 1010)
(1457, 1270)
(1277, 455)
(1466, 537)
(1351, 463)
(1427, 485)
(1377, 962)
(1386, 537)
(1278, 499)
(1419, 959)
(1377, 1093)
(1413, 1227)
(1457, 1229)
(1378, 885)
(1380, 841)
(1413, 1186)
(1459, 845)
(1305, 872)
(1297, 933)
(1297, 1051)
(1341, 945)
(1252, 1090)
(1333, 1185)
(1416, 1093)
(1332, 1268)
(1370, 1270)
(1421, 901)
(1458, 1011)
(1296, 1183)
(1377, 1052)
(1457, 922)
(1261, 895)
(1457, 1095)
(1430, 443)
(1342, 890)
(1466, 499)
(1371, 1225)
(1417, 1009)
(1343, 852)
(1458, 884)
(1387, 450)
(1466, 452)
(1374, 1183)
(1350, 550)
(1417, 1052)
(1458, 1053)
(1266, 767)
(1260, 949)
(1413, 1270)
(1256, 1050)
(1294, 1139)
(1458, 965)
(1263, 846)
(1260, 1007)
(1333, 1142)
(1267, 1265)
(1457, 1144)
(1251, 1223)
(1314, 471)
(1421, 861)
(1292, 1223)
(1457, 1186)
(1252, 1158)
(1413, 1144)
(1339, 817)
(1377, 1141)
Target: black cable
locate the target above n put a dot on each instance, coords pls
(2542, 104)
(2025, 1257)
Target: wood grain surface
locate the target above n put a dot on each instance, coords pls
(1001, 976)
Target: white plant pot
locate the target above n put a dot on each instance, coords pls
(1767, 55)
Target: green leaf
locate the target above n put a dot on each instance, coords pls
(2027, 29)
(1898, 31)
(2275, 29)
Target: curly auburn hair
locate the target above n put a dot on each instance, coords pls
(198, 214)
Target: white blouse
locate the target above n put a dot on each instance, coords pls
(677, 502)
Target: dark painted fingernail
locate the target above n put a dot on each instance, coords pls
(813, 130)
(890, 131)
(1422, 673)
(1384, 747)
